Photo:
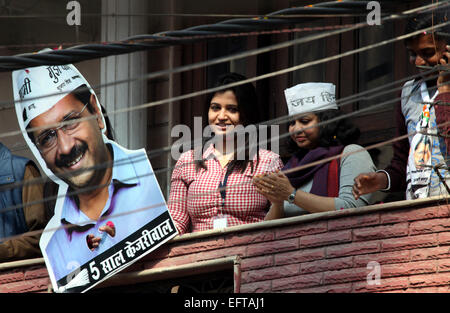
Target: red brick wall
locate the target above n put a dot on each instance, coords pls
(321, 253)
(24, 279)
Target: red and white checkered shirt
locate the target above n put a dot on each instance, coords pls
(195, 200)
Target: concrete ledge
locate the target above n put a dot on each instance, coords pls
(276, 223)
(21, 263)
(321, 252)
(315, 217)
(171, 272)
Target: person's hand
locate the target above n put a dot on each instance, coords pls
(275, 187)
(94, 242)
(368, 183)
(443, 81)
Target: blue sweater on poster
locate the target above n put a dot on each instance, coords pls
(133, 187)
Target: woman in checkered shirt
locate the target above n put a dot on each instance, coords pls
(214, 189)
(300, 189)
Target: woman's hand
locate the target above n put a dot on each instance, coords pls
(274, 186)
(277, 188)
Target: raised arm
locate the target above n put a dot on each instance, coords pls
(393, 177)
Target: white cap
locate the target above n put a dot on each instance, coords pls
(38, 89)
(310, 97)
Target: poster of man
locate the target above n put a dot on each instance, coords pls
(419, 163)
(110, 210)
(422, 152)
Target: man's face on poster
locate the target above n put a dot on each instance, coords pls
(422, 154)
(70, 151)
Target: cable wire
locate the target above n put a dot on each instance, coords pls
(156, 152)
(341, 102)
(167, 38)
(249, 80)
(212, 15)
(446, 123)
(243, 54)
(60, 45)
(362, 96)
(109, 164)
(298, 168)
(307, 64)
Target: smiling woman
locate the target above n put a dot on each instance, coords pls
(223, 113)
(325, 186)
(308, 136)
(217, 191)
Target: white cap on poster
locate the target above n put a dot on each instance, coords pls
(38, 89)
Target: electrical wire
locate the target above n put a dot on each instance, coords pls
(286, 118)
(362, 96)
(254, 52)
(241, 55)
(249, 80)
(354, 112)
(156, 152)
(285, 172)
(269, 121)
(60, 45)
(167, 38)
(212, 15)
(109, 164)
(297, 168)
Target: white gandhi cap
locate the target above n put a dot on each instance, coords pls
(310, 97)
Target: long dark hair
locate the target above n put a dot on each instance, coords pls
(340, 132)
(249, 114)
